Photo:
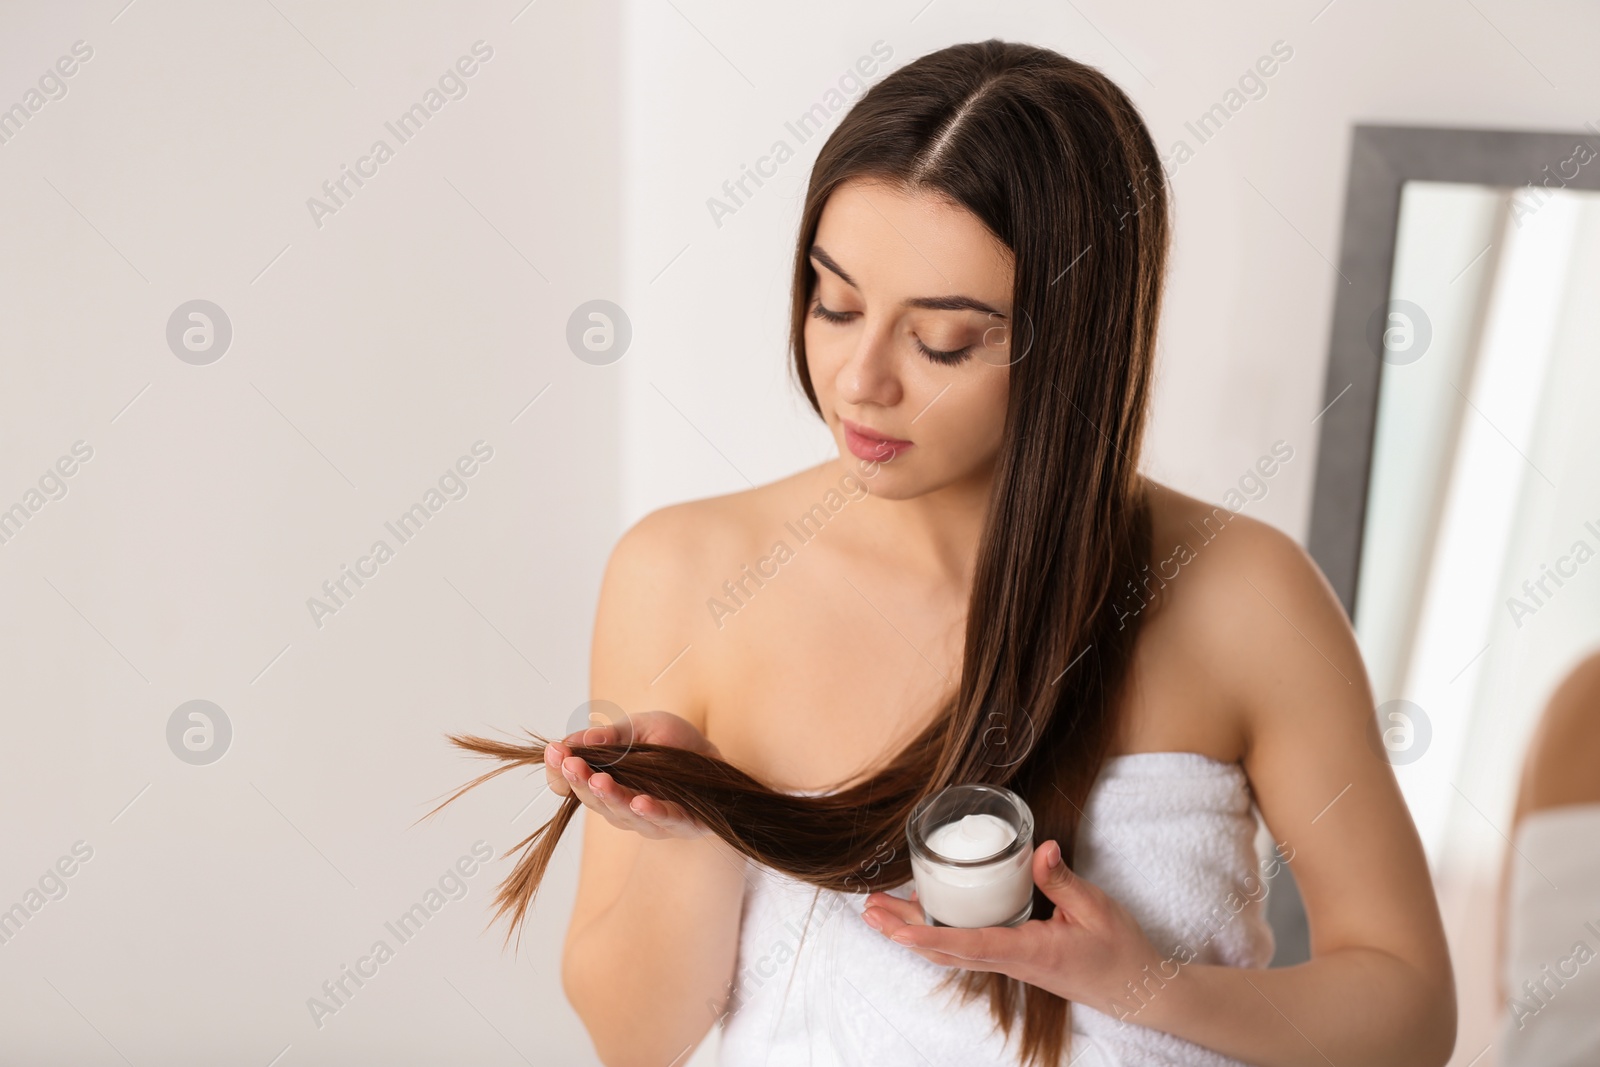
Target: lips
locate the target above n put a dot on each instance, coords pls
(865, 443)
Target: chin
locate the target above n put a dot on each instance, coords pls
(895, 480)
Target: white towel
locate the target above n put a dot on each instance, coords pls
(1552, 966)
(1169, 834)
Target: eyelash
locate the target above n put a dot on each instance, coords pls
(946, 358)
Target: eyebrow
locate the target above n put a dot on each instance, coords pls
(932, 303)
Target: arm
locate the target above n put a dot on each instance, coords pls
(650, 950)
(1378, 988)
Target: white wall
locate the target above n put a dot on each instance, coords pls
(365, 360)
(422, 317)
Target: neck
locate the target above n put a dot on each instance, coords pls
(935, 533)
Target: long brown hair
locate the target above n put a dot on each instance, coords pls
(1056, 162)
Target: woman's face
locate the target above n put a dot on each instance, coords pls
(922, 352)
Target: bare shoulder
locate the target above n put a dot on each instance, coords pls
(651, 607)
(1559, 768)
(1245, 598)
(679, 544)
(1218, 539)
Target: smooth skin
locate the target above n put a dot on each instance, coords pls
(849, 645)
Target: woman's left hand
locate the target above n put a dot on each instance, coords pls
(1085, 952)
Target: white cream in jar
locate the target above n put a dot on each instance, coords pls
(971, 856)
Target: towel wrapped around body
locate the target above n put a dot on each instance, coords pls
(1171, 835)
(1552, 961)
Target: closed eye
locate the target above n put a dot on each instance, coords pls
(831, 316)
(947, 358)
(955, 355)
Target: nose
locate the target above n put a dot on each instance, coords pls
(871, 376)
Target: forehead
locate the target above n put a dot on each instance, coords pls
(894, 242)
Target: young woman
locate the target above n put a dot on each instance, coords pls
(982, 587)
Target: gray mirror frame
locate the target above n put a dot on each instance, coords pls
(1382, 159)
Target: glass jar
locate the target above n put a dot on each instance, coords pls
(984, 875)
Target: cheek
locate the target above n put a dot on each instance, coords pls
(995, 388)
(971, 413)
(822, 359)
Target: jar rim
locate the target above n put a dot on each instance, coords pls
(916, 838)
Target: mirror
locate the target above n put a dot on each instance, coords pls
(1482, 509)
(1456, 510)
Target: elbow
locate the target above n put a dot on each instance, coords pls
(1436, 1048)
(1437, 1023)
(1441, 1040)
(615, 1043)
(569, 982)
(612, 1049)
(610, 1056)
(1418, 999)
(576, 982)
(574, 986)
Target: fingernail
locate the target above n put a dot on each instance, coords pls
(900, 937)
(1052, 855)
(872, 921)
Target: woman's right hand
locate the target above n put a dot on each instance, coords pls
(624, 808)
